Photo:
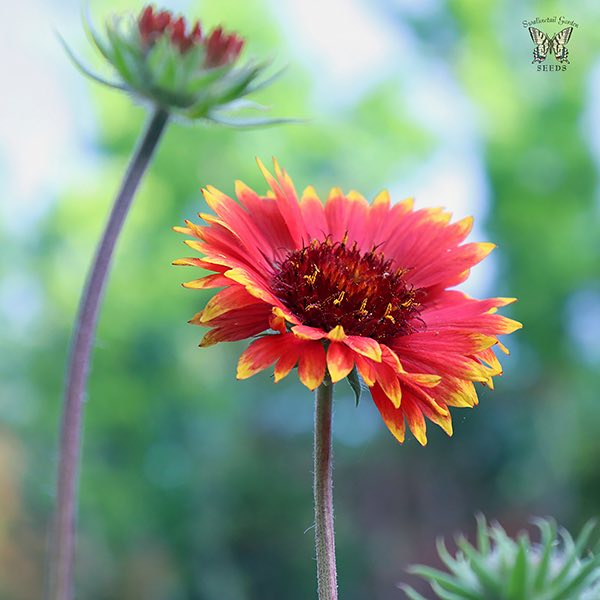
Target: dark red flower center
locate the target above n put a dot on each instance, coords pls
(221, 48)
(331, 283)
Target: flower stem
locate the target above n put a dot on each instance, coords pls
(323, 493)
(62, 549)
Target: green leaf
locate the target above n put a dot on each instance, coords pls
(548, 533)
(479, 567)
(483, 538)
(355, 384)
(452, 563)
(517, 585)
(447, 582)
(579, 581)
(584, 537)
(412, 593)
(569, 554)
(445, 594)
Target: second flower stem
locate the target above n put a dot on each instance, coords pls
(62, 548)
(323, 494)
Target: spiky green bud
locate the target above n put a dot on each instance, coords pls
(198, 75)
(500, 568)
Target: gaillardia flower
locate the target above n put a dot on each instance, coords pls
(180, 68)
(349, 287)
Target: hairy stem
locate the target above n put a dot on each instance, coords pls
(323, 493)
(62, 548)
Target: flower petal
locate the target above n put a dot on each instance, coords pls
(446, 340)
(287, 202)
(232, 297)
(286, 363)
(340, 361)
(365, 346)
(366, 369)
(260, 354)
(268, 219)
(388, 381)
(210, 281)
(416, 421)
(337, 334)
(392, 417)
(347, 217)
(314, 215)
(304, 332)
(237, 324)
(312, 363)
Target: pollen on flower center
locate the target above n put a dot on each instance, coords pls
(327, 283)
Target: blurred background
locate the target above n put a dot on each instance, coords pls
(198, 487)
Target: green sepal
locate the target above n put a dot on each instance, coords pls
(250, 123)
(93, 35)
(85, 70)
(256, 85)
(124, 55)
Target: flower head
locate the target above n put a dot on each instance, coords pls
(183, 69)
(346, 289)
(502, 568)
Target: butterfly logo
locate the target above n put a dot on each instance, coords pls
(545, 45)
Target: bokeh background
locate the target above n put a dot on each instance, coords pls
(198, 487)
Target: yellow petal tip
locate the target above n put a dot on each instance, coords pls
(337, 334)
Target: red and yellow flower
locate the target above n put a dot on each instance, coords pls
(349, 287)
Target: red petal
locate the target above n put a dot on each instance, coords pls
(366, 369)
(242, 224)
(208, 282)
(146, 22)
(313, 214)
(286, 363)
(416, 421)
(311, 367)
(267, 217)
(231, 298)
(388, 381)
(287, 203)
(446, 340)
(340, 361)
(260, 354)
(365, 346)
(392, 417)
(237, 324)
(305, 332)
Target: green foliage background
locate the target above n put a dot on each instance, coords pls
(196, 486)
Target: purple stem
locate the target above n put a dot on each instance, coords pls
(62, 549)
